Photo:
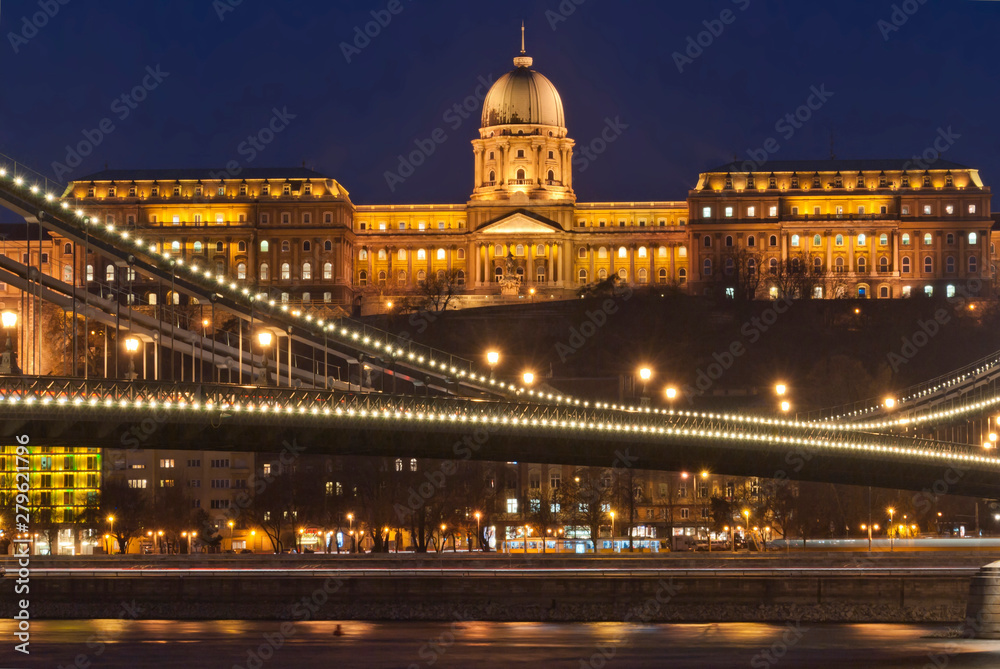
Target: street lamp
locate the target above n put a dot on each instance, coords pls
(889, 402)
(492, 358)
(780, 389)
(479, 532)
(671, 393)
(230, 524)
(786, 406)
(442, 536)
(528, 378)
(131, 345)
(869, 528)
(645, 373)
(746, 514)
(8, 361)
(264, 337)
(889, 529)
(612, 530)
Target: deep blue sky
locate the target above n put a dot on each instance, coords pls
(608, 59)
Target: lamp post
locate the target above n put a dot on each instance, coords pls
(230, 524)
(746, 515)
(528, 378)
(361, 538)
(264, 337)
(869, 528)
(350, 519)
(645, 373)
(131, 345)
(612, 530)
(479, 531)
(781, 390)
(671, 394)
(889, 530)
(8, 361)
(442, 536)
(492, 358)
(111, 529)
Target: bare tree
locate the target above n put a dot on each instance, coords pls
(746, 272)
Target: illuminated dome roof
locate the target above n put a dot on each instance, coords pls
(523, 96)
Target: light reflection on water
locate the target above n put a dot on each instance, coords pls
(229, 643)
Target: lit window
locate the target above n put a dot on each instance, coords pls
(927, 210)
(972, 208)
(795, 240)
(511, 505)
(706, 212)
(328, 271)
(729, 212)
(622, 252)
(441, 254)
(973, 239)
(949, 209)
(751, 211)
(862, 239)
(906, 239)
(772, 212)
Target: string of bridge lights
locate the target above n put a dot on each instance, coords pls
(353, 336)
(321, 410)
(890, 403)
(359, 338)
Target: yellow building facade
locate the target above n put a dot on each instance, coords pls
(871, 229)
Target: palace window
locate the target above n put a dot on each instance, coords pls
(883, 240)
(441, 255)
(973, 239)
(949, 265)
(973, 265)
(707, 241)
(928, 265)
(682, 275)
(286, 271)
(307, 247)
(307, 272)
(363, 278)
(751, 211)
(602, 253)
(241, 270)
(285, 247)
(817, 240)
(928, 240)
(839, 240)
(707, 267)
(795, 240)
(328, 271)
(905, 265)
(729, 240)
(264, 274)
(905, 239)
(581, 253)
(862, 239)
(622, 252)
(972, 208)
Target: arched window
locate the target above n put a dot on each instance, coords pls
(540, 250)
(602, 274)
(328, 245)
(706, 267)
(973, 265)
(817, 265)
(661, 276)
(729, 240)
(602, 253)
(682, 275)
(306, 297)
(67, 248)
(109, 273)
(839, 240)
(401, 277)
(905, 239)
(241, 270)
(263, 246)
(795, 240)
(493, 176)
(551, 175)
(197, 247)
(883, 264)
(706, 241)
(285, 247)
(928, 240)
(862, 239)
(151, 299)
(623, 274)
(773, 240)
(862, 264)
(440, 276)
(973, 239)
(949, 265)
(175, 298)
(519, 250)
(905, 265)
(928, 265)
(772, 266)
(540, 274)
(730, 266)
(498, 274)
(460, 278)
(461, 254)
(401, 255)
(421, 277)
(582, 276)
(241, 247)
(328, 270)
(751, 241)
(641, 275)
(264, 272)
(622, 252)
(642, 252)
(520, 175)
(307, 271)
(67, 273)
(839, 263)
(883, 239)
(421, 254)
(219, 247)
(682, 251)
(441, 255)
(363, 254)
(381, 278)
(661, 252)
(363, 278)
(286, 271)
(306, 246)
(581, 252)
(175, 246)
(498, 251)
(751, 266)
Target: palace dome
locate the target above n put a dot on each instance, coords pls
(523, 96)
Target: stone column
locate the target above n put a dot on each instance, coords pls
(591, 276)
(895, 250)
(673, 262)
(478, 152)
(850, 251)
(631, 264)
(550, 275)
(409, 267)
(873, 256)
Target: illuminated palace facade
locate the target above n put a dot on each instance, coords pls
(872, 229)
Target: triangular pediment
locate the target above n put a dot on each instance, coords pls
(520, 223)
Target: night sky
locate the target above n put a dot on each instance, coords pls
(893, 89)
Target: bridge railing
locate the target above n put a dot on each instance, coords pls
(290, 404)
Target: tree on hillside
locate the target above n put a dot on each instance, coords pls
(128, 506)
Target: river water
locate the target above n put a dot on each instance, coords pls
(226, 644)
